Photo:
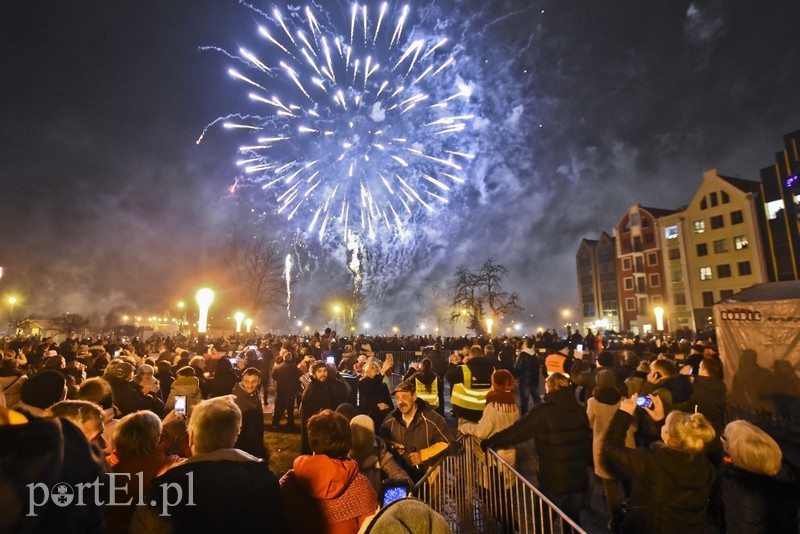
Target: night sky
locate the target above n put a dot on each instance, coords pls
(107, 204)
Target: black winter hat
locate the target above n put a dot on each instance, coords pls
(44, 389)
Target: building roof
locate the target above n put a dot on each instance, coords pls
(657, 212)
(748, 186)
(769, 291)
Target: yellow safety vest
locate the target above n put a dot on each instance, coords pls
(470, 398)
(431, 397)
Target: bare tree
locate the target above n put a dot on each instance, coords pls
(256, 269)
(474, 292)
(70, 323)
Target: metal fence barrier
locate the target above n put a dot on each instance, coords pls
(479, 492)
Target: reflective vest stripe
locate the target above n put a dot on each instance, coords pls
(431, 397)
(466, 397)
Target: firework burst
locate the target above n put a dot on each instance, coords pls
(360, 131)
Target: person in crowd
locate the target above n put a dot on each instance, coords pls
(324, 492)
(198, 363)
(287, 386)
(185, 384)
(415, 433)
(218, 471)
(87, 416)
(439, 360)
(430, 387)
(406, 516)
(635, 381)
(501, 412)
(559, 361)
(46, 452)
(225, 378)
(140, 447)
(127, 397)
(318, 395)
(560, 429)
(247, 396)
(164, 377)
(757, 491)
(601, 408)
(349, 360)
(527, 368)
(710, 398)
(671, 480)
(40, 392)
(470, 382)
(98, 391)
(11, 376)
(374, 459)
(374, 399)
(672, 388)
(146, 381)
(56, 362)
(342, 390)
(629, 364)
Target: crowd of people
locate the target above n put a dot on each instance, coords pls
(182, 421)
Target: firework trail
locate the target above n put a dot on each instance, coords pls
(359, 131)
(287, 274)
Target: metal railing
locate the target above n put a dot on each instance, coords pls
(480, 492)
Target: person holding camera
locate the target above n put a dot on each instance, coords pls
(671, 480)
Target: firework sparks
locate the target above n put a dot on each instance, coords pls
(390, 140)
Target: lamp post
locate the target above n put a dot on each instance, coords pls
(248, 323)
(182, 308)
(489, 324)
(12, 301)
(336, 310)
(204, 299)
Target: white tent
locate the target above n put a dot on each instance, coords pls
(758, 334)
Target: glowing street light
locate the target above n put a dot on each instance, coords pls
(239, 316)
(204, 298)
(565, 313)
(489, 324)
(336, 310)
(248, 323)
(659, 313)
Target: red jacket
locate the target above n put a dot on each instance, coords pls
(322, 494)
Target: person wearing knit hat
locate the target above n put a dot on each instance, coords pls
(406, 516)
(40, 392)
(501, 412)
(319, 394)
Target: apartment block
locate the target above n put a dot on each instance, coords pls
(597, 281)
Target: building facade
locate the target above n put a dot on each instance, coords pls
(781, 193)
(597, 283)
(723, 245)
(640, 268)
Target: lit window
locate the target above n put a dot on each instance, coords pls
(671, 232)
(705, 273)
(699, 226)
(773, 208)
(740, 242)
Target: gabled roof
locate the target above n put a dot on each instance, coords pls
(657, 212)
(748, 186)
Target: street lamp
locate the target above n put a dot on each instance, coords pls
(336, 310)
(489, 323)
(248, 323)
(239, 316)
(204, 298)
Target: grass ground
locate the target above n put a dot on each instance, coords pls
(283, 449)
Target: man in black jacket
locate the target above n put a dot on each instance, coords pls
(246, 396)
(287, 386)
(527, 369)
(320, 393)
(560, 429)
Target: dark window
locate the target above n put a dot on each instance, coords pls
(680, 299)
(744, 268)
(708, 299)
(676, 275)
(702, 249)
(630, 304)
(717, 222)
(648, 239)
(720, 246)
(652, 258)
(703, 204)
(655, 280)
(645, 222)
(642, 305)
(635, 219)
(639, 264)
(725, 294)
(626, 264)
(725, 197)
(637, 243)
(737, 217)
(641, 287)
(724, 271)
(629, 284)
(713, 199)
(674, 253)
